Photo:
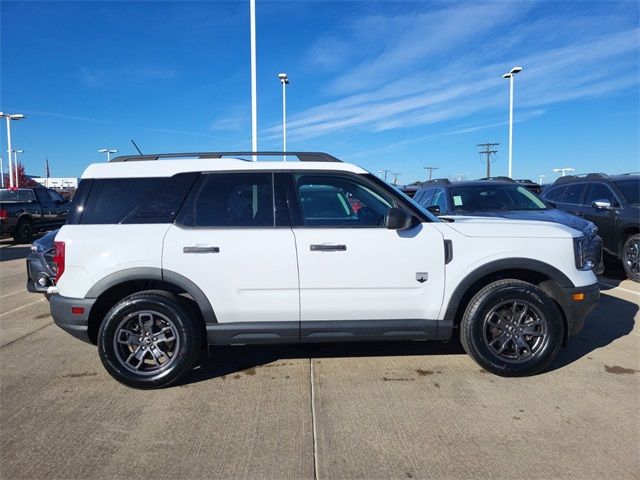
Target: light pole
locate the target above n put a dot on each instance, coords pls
(15, 164)
(284, 80)
(460, 176)
(254, 100)
(9, 117)
(395, 177)
(563, 171)
(108, 151)
(510, 76)
(2, 171)
(540, 177)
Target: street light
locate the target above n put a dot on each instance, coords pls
(254, 87)
(108, 151)
(510, 76)
(15, 164)
(9, 117)
(540, 177)
(284, 80)
(1, 171)
(563, 171)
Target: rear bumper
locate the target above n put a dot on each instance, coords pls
(38, 269)
(76, 324)
(576, 311)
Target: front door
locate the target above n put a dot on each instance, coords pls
(354, 269)
(227, 241)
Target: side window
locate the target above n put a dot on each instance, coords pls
(43, 195)
(230, 200)
(554, 194)
(599, 191)
(340, 201)
(55, 196)
(573, 194)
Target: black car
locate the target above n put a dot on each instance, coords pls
(612, 203)
(499, 198)
(27, 211)
(41, 271)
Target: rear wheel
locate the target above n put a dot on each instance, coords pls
(631, 257)
(24, 231)
(512, 328)
(148, 340)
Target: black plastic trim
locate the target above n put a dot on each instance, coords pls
(448, 251)
(76, 325)
(504, 264)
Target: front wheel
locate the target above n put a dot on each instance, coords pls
(148, 340)
(512, 328)
(631, 257)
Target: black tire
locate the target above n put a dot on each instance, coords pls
(24, 231)
(631, 257)
(496, 319)
(146, 328)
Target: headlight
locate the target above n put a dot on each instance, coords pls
(586, 254)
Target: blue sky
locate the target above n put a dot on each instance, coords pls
(386, 85)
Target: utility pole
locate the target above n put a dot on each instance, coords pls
(385, 172)
(487, 151)
(431, 169)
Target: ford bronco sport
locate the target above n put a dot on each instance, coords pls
(164, 254)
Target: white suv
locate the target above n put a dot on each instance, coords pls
(164, 254)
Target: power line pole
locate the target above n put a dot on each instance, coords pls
(487, 151)
(431, 169)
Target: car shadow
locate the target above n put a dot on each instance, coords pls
(227, 360)
(13, 253)
(600, 329)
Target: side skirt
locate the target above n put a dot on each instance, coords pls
(327, 331)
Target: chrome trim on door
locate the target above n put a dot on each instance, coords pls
(197, 249)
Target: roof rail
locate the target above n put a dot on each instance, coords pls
(302, 156)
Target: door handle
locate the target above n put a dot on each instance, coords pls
(328, 248)
(197, 249)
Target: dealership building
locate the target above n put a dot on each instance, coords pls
(59, 182)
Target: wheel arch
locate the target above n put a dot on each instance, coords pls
(541, 274)
(119, 285)
(627, 231)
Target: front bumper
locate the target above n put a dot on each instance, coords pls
(576, 310)
(76, 324)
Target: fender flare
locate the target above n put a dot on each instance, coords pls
(496, 266)
(158, 274)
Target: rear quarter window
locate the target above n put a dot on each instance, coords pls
(134, 200)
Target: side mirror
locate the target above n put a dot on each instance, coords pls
(398, 219)
(601, 204)
(435, 209)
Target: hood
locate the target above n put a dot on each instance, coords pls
(550, 215)
(508, 228)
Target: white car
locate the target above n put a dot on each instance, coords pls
(163, 254)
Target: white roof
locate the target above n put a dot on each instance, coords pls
(168, 168)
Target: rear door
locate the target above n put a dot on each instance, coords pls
(605, 220)
(352, 268)
(228, 240)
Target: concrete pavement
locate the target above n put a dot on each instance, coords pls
(414, 410)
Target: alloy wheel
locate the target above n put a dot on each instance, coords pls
(515, 331)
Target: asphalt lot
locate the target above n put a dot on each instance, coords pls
(411, 410)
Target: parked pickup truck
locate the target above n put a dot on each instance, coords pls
(26, 211)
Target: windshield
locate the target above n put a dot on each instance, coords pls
(631, 190)
(483, 198)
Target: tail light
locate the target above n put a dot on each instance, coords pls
(58, 259)
(3, 214)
